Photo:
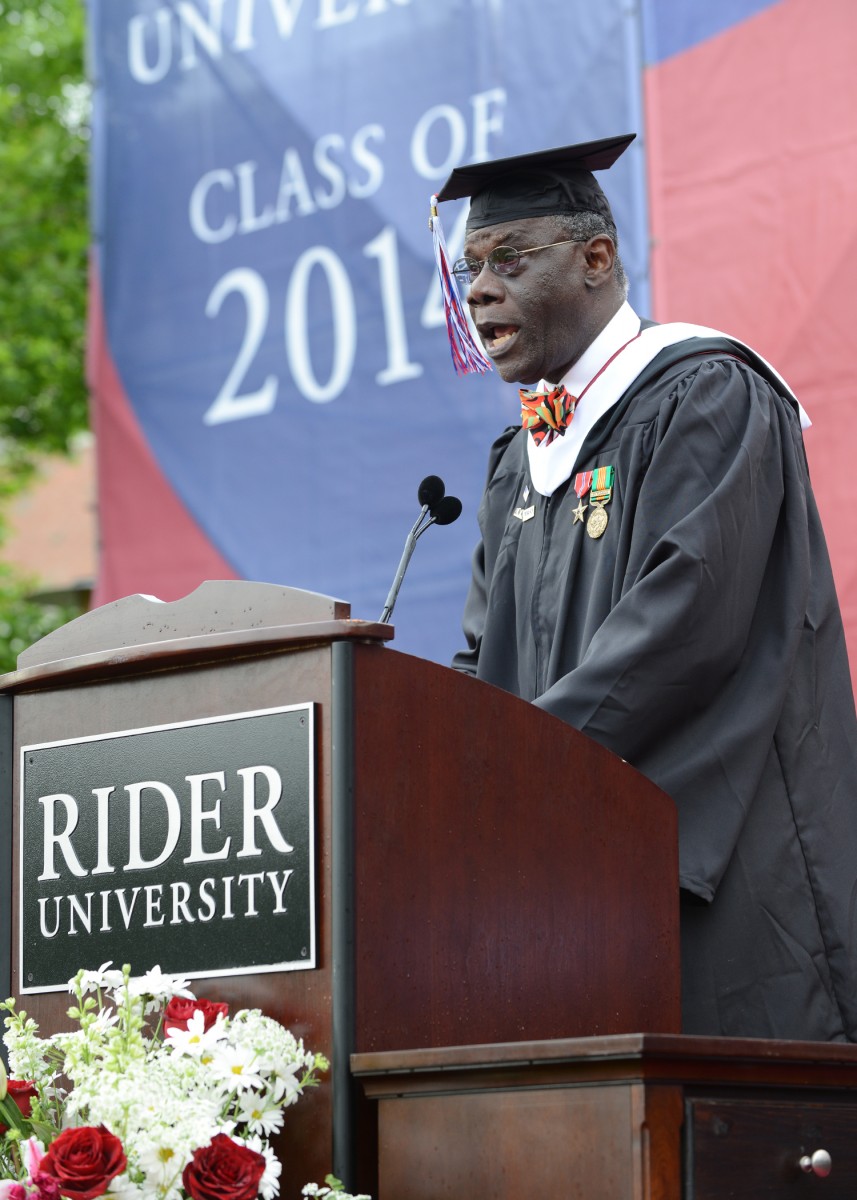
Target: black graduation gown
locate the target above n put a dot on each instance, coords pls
(699, 638)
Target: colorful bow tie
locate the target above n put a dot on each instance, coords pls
(547, 414)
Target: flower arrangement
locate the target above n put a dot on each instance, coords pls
(155, 1096)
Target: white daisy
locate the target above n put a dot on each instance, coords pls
(260, 1112)
(237, 1067)
(93, 981)
(159, 986)
(195, 1040)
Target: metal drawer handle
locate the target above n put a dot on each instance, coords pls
(818, 1163)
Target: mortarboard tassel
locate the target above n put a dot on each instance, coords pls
(467, 355)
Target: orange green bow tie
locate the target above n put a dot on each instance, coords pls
(547, 415)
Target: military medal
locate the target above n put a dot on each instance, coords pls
(581, 487)
(597, 522)
(601, 493)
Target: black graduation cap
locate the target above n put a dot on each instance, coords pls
(547, 183)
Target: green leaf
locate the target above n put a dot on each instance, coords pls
(43, 224)
(12, 1116)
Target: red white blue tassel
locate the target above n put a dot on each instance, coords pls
(467, 356)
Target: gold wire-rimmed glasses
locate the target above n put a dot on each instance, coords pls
(503, 260)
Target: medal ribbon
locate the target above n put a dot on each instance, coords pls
(602, 484)
(603, 478)
(581, 483)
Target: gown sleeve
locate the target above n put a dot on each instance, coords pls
(473, 622)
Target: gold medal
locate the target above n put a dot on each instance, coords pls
(597, 522)
(601, 493)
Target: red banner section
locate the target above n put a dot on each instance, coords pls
(155, 545)
(752, 149)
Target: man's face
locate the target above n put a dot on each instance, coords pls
(538, 321)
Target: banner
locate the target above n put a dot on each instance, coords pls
(269, 353)
(269, 359)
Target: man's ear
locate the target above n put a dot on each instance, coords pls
(600, 254)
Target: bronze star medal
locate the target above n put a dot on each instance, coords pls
(600, 495)
(581, 487)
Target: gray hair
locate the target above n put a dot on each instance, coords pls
(587, 224)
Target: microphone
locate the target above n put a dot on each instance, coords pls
(440, 509)
(431, 491)
(447, 510)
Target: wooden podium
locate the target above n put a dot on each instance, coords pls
(485, 874)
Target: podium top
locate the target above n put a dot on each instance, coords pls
(218, 616)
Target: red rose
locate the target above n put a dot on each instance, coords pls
(83, 1161)
(223, 1170)
(22, 1092)
(179, 1011)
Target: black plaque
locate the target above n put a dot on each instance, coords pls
(189, 846)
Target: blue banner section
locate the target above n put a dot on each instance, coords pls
(673, 26)
(263, 170)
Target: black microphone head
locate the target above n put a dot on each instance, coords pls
(430, 491)
(447, 510)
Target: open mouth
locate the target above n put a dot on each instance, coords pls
(497, 337)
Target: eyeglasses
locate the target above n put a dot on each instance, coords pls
(503, 260)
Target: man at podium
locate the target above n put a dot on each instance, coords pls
(652, 571)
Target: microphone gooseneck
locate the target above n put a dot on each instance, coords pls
(436, 509)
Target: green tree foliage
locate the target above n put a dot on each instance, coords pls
(43, 262)
(23, 620)
(43, 227)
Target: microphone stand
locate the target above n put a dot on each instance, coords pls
(443, 510)
(410, 546)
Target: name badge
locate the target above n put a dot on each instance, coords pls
(524, 514)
